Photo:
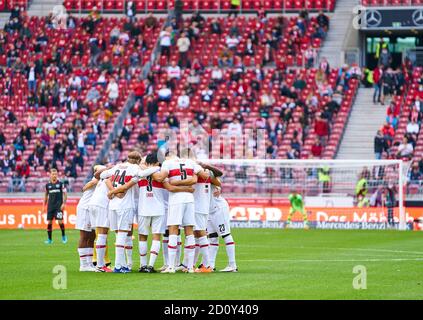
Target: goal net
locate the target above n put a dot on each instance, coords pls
(336, 194)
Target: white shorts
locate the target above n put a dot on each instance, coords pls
(121, 219)
(136, 216)
(200, 222)
(100, 217)
(219, 222)
(83, 220)
(181, 214)
(155, 223)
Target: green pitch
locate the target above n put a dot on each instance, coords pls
(273, 264)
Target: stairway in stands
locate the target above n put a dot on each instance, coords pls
(43, 7)
(365, 119)
(340, 23)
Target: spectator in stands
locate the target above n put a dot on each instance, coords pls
(225, 59)
(165, 94)
(81, 142)
(75, 83)
(91, 138)
(392, 114)
(183, 100)
(317, 149)
(321, 128)
(207, 94)
(172, 121)
(173, 71)
(377, 83)
(217, 75)
(416, 111)
(5, 165)
(235, 128)
(413, 129)
(70, 169)
(405, 149)
(292, 153)
(193, 79)
(112, 90)
(414, 175)
(78, 160)
(379, 145)
(165, 41)
(130, 10)
(388, 83)
(16, 183)
(114, 153)
(150, 21)
(385, 58)
(215, 27)
(183, 45)
(152, 109)
(323, 20)
(324, 66)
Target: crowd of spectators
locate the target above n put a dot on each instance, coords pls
(58, 88)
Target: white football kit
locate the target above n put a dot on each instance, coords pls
(219, 219)
(84, 221)
(202, 196)
(181, 210)
(152, 206)
(122, 210)
(99, 206)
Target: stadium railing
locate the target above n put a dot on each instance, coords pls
(396, 3)
(221, 6)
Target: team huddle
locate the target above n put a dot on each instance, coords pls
(161, 199)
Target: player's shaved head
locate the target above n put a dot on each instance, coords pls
(134, 157)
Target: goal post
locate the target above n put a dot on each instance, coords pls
(337, 194)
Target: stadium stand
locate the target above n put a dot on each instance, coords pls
(50, 111)
(144, 6)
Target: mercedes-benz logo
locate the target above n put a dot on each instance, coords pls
(418, 17)
(373, 18)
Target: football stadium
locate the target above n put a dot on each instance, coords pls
(211, 150)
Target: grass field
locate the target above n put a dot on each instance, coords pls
(273, 264)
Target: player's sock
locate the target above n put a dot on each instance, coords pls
(172, 248)
(120, 250)
(178, 251)
(190, 250)
(128, 250)
(165, 251)
(204, 250)
(213, 248)
(100, 248)
(143, 247)
(82, 257)
(230, 249)
(90, 253)
(305, 218)
(49, 230)
(197, 251)
(62, 227)
(154, 252)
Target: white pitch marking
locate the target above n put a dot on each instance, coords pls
(332, 260)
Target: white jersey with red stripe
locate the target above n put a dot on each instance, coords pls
(180, 169)
(217, 203)
(153, 198)
(202, 195)
(99, 197)
(121, 174)
(85, 199)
